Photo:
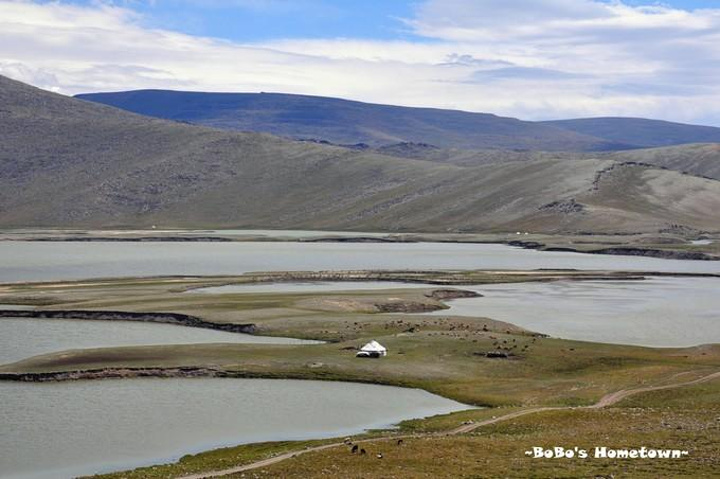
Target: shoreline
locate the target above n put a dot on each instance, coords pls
(117, 373)
(620, 251)
(615, 244)
(163, 318)
(439, 277)
(187, 372)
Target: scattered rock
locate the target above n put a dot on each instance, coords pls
(441, 294)
(565, 207)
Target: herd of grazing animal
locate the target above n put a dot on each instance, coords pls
(355, 449)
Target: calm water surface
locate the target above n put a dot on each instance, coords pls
(661, 312)
(61, 430)
(22, 338)
(40, 261)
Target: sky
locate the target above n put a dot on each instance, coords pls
(533, 59)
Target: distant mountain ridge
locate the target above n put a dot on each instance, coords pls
(640, 132)
(346, 122)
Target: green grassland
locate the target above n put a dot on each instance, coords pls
(499, 450)
(687, 419)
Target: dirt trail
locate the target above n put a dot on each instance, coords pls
(612, 398)
(607, 400)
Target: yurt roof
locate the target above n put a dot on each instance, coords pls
(373, 346)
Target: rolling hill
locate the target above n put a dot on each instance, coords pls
(702, 160)
(640, 132)
(350, 122)
(342, 121)
(72, 163)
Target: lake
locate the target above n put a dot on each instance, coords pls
(58, 430)
(61, 430)
(658, 312)
(23, 338)
(49, 261)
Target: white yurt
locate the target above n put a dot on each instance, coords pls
(373, 349)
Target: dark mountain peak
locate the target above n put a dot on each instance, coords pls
(347, 122)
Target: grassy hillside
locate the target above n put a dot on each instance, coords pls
(343, 121)
(701, 159)
(471, 158)
(67, 162)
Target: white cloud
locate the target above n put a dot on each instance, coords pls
(529, 58)
(34, 76)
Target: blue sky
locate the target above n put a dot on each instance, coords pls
(533, 59)
(304, 18)
(258, 20)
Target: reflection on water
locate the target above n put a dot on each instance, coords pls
(662, 312)
(60, 430)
